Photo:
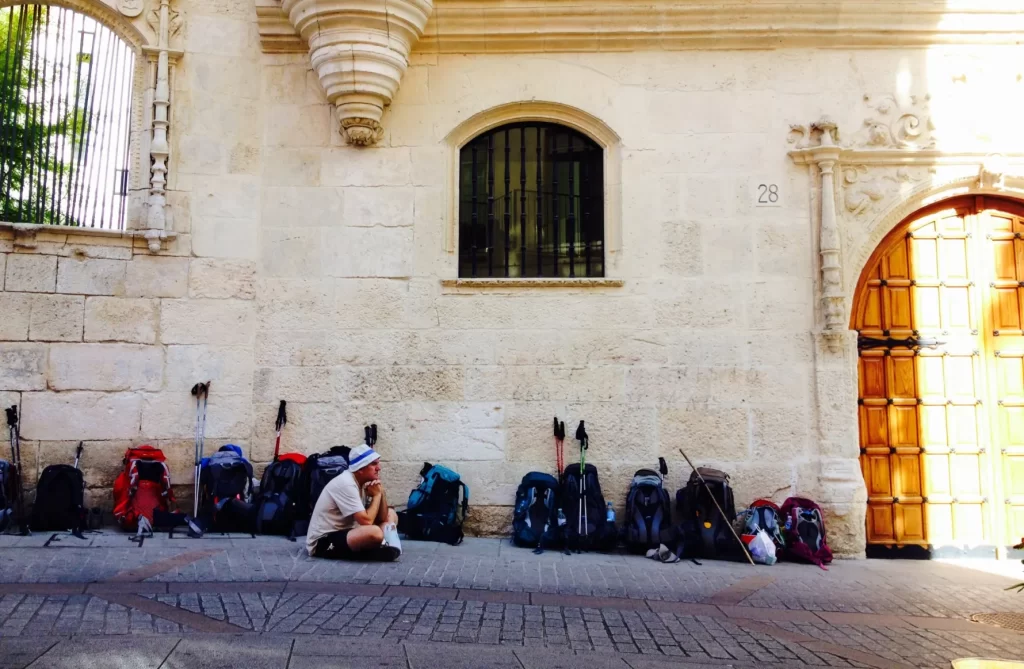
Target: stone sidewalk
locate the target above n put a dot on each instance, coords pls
(489, 595)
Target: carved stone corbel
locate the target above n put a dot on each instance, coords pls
(359, 50)
(820, 147)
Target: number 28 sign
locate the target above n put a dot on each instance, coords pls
(766, 194)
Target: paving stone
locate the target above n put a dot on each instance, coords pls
(143, 653)
(212, 653)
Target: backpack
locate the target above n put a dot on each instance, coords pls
(434, 511)
(277, 507)
(764, 515)
(321, 469)
(805, 532)
(586, 524)
(60, 498)
(224, 476)
(535, 517)
(144, 485)
(7, 494)
(703, 530)
(648, 520)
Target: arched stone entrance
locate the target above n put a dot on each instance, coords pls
(939, 310)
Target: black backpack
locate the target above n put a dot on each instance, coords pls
(226, 475)
(60, 498)
(7, 494)
(648, 520)
(586, 526)
(435, 511)
(277, 507)
(535, 517)
(704, 532)
(321, 469)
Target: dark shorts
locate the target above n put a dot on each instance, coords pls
(334, 546)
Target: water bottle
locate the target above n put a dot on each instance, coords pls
(789, 522)
(610, 516)
(561, 517)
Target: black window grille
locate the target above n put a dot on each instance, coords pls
(531, 203)
(65, 118)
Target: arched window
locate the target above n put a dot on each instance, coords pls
(65, 118)
(531, 203)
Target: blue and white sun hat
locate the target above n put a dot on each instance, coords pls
(360, 456)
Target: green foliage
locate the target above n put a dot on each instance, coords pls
(36, 131)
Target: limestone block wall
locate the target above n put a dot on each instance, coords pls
(312, 271)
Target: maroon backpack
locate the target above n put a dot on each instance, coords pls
(805, 532)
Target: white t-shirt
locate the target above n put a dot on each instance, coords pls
(335, 510)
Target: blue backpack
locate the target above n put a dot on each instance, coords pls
(224, 476)
(434, 511)
(535, 518)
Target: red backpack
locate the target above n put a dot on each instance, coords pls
(144, 485)
(805, 532)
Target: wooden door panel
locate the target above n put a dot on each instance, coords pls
(1010, 377)
(967, 477)
(933, 426)
(872, 376)
(931, 380)
(940, 523)
(1013, 467)
(903, 426)
(906, 475)
(957, 312)
(954, 258)
(895, 264)
(873, 309)
(897, 308)
(963, 426)
(927, 308)
(1011, 436)
(925, 256)
(959, 371)
(880, 523)
(969, 524)
(877, 476)
(901, 382)
(874, 427)
(909, 521)
(937, 479)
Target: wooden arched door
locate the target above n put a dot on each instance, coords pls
(940, 311)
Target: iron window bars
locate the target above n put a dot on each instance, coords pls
(65, 118)
(531, 203)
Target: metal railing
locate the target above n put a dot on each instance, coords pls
(526, 234)
(65, 118)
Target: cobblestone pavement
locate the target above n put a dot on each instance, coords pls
(489, 596)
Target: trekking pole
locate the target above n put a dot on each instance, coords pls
(15, 435)
(282, 419)
(581, 435)
(728, 522)
(201, 392)
(559, 445)
(78, 454)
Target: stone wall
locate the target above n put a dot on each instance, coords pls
(311, 271)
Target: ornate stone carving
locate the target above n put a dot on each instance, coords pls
(992, 174)
(891, 125)
(131, 8)
(158, 214)
(173, 18)
(360, 50)
(867, 189)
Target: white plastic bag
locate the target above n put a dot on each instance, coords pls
(762, 549)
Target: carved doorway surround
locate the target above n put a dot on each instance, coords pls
(862, 187)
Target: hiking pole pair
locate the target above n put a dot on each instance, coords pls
(15, 434)
(559, 446)
(728, 521)
(201, 391)
(282, 419)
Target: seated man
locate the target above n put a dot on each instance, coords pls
(344, 524)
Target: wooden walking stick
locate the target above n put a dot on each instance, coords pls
(728, 522)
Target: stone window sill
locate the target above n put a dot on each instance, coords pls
(25, 234)
(496, 284)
